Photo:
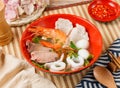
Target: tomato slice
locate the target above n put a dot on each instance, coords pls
(104, 10)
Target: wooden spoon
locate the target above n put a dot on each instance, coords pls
(104, 76)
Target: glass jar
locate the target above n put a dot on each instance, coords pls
(5, 30)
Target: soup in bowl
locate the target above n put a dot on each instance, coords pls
(61, 44)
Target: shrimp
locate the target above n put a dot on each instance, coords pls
(57, 37)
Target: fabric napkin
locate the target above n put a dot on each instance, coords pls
(89, 81)
(16, 73)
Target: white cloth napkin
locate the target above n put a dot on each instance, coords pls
(16, 73)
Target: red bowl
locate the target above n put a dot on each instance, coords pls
(49, 22)
(104, 10)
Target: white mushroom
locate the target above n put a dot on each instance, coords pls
(83, 53)
(75, 62)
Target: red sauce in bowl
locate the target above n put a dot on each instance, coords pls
(104, 10)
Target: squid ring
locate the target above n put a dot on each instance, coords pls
(57, 66)
(75, 62)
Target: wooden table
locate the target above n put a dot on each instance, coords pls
(109, 31)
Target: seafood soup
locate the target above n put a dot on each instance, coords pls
(64, 48)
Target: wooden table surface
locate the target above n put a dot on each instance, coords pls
(110, 31)
(58, 3)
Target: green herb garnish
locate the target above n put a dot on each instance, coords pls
(39, 65)
(36, 39)
(57, 40)
(90, 57)
(86, 62)
(72, 54)
(72, 45)
(49, 40)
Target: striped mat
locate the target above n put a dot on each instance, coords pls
(109, 31)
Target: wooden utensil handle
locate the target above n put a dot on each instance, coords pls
(115, 60)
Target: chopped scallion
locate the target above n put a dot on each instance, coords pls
(36, 39)
(72, 45)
